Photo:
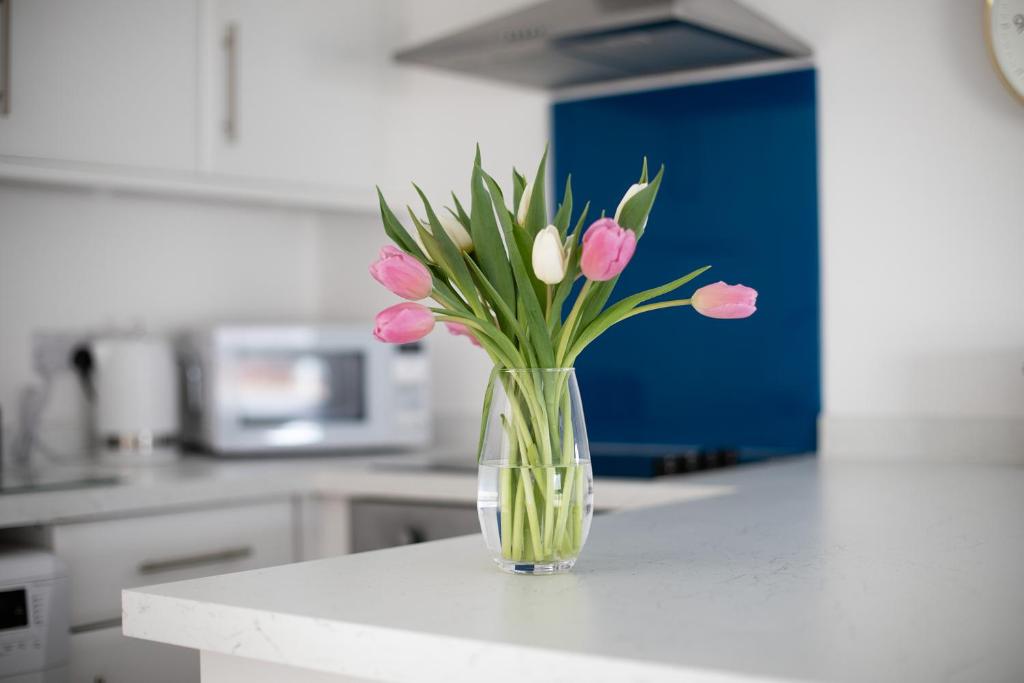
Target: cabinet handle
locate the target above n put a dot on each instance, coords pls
(189, 561)
(231, 82)
(5, 56)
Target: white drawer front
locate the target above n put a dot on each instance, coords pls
(107, 656)
(105, 557)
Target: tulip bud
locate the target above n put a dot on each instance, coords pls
(524, 203)
(402, 274)
(725, 301)
(633, 190)
(403, 323)
(458, 329)
(548, 256)
(456, 232)
(607, 248)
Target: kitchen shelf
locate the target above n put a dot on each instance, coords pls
(207, 186)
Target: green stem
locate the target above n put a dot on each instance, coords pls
(653, 307)
(531, 509)
(583, 342)
(563, 508)
(570, 323)
(517, 519)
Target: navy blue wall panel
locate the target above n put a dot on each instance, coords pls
(740, 193)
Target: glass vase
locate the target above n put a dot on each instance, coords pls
(535, 486)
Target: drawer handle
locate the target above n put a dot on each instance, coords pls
(5, 57)
(188, 561)
(230, 44)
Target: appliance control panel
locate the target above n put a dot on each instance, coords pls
(34, 618)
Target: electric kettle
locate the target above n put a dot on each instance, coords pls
(132, 382)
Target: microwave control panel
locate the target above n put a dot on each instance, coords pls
(410, 373)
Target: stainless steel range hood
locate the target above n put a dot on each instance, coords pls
(560, 43)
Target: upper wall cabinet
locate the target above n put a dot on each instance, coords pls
(294, 91)
(103, 81)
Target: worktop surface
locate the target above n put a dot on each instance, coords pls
(807, 571)
(193, 481)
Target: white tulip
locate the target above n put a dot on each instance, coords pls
(549, 256)
(630, 193)
(524, 203)
(456, 233)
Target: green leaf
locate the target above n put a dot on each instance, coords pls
(577, 232)
(635, 212)
(525, 244)
(452, 255)
(441, 276)
(518, 186)
(460, 212)
(643, 172)
(490, 250)
(397, 233)
(571, 271)
(634, 215)
(488, 397)
(537, 210)
(564, 209)
(444, 289)
(489, 336)
(531, 305)
(504, 312)
(432, 247)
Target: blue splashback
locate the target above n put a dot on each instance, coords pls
(740, 193)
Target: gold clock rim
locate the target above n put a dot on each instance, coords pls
(992, 53)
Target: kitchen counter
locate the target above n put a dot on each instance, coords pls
(811, 572)
(197, 481)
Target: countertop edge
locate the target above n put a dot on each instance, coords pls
(376, 652)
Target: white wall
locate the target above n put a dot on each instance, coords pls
(73, 259)
(922, 217)
(77, 260)
(435, 119)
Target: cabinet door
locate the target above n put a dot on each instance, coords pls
(108, 81)
(294, 90)
(104, 557)
(108, 656)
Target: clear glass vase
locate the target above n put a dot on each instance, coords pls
(535, 488)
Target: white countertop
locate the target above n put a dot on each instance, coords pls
(194, 481)
(837, 572)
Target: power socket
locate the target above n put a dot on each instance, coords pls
(51, 351)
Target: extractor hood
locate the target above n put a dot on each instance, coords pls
(561, 43)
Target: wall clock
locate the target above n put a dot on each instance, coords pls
(1004, 32)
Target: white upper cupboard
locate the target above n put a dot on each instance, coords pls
(103, 81)
(293, 91)
(276, 97)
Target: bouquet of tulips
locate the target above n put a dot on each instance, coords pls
(502, 274)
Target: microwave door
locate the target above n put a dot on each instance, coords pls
(326, 388)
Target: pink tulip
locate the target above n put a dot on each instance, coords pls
(607, 248)
(459, 329)
(403, 323)
(402, 274)
(725, 301)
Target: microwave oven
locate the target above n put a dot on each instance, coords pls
(283, 389)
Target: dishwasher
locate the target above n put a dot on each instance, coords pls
(385, 524)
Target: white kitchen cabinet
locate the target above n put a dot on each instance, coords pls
(108, 656)
(106, 556)
(294, 91)
(111, 82)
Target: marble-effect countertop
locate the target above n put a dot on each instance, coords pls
(808, 572)
(201, 481)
